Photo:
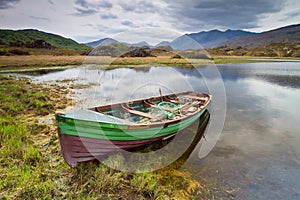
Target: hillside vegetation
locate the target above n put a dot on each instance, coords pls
(271, 50)
(285, 35)
(29, 36)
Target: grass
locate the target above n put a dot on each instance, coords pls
(28, 62)
(233, 60)
(17, 62)
(13, 62)
(32, 167)
(248, 59)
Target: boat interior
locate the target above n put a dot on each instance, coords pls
(156, 109)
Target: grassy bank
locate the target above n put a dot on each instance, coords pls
(17, 62)
(249, 59)
(33, 61)
(40, 61)
(32, 166)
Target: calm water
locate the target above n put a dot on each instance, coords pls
(258, 151)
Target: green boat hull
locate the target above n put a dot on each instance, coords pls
(105, 131)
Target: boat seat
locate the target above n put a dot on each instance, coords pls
(136, 112)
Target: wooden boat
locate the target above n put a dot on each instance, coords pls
(92, 134)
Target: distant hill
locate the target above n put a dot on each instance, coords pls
(163, 43)
(185, 42)
(140, 44)
(31, 35)
(102, 42)
(109, 41)
(285, 35)
(204, 39)
(216, 38)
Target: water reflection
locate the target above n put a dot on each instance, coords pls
(177, 149)
(202, 125)
(121, 85)
(282, 74)
(258, 154)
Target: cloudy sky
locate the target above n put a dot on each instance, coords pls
(152, 20)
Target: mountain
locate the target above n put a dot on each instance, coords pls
(163, 43)
(204, 39)
(102, 42)
(287, 35)
(140, 44)
(185, 42)
(31, 35)
(110, 41)
(216, 38)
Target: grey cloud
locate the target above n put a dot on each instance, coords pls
(128, 23)
(51, 2)
(5, 4)
(109, 30)
(86, 7)
(83, 8)
(108, 16)
(146, 6)
(88, 4)
(39, 18)
(115, 30)
(82, 3)
(127, 6)
(153, 25)
(84, 12)
(139, 7)
(101, 27)
(235, 14)
(87, 25)
(293, 14)
(105, 4)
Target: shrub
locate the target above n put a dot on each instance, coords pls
(18, 52)
(3, 53)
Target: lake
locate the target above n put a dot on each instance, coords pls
(258, 153)
(254, 132)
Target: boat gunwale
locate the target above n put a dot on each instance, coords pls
(131, 125)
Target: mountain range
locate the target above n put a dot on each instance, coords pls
(198, 40)
(286, 35)
(110, 41)
(215, 38)
(205, 39)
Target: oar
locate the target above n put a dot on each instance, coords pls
(160, 94)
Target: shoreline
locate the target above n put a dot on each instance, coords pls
(10, 63)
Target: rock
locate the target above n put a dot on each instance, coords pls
(138, 52)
